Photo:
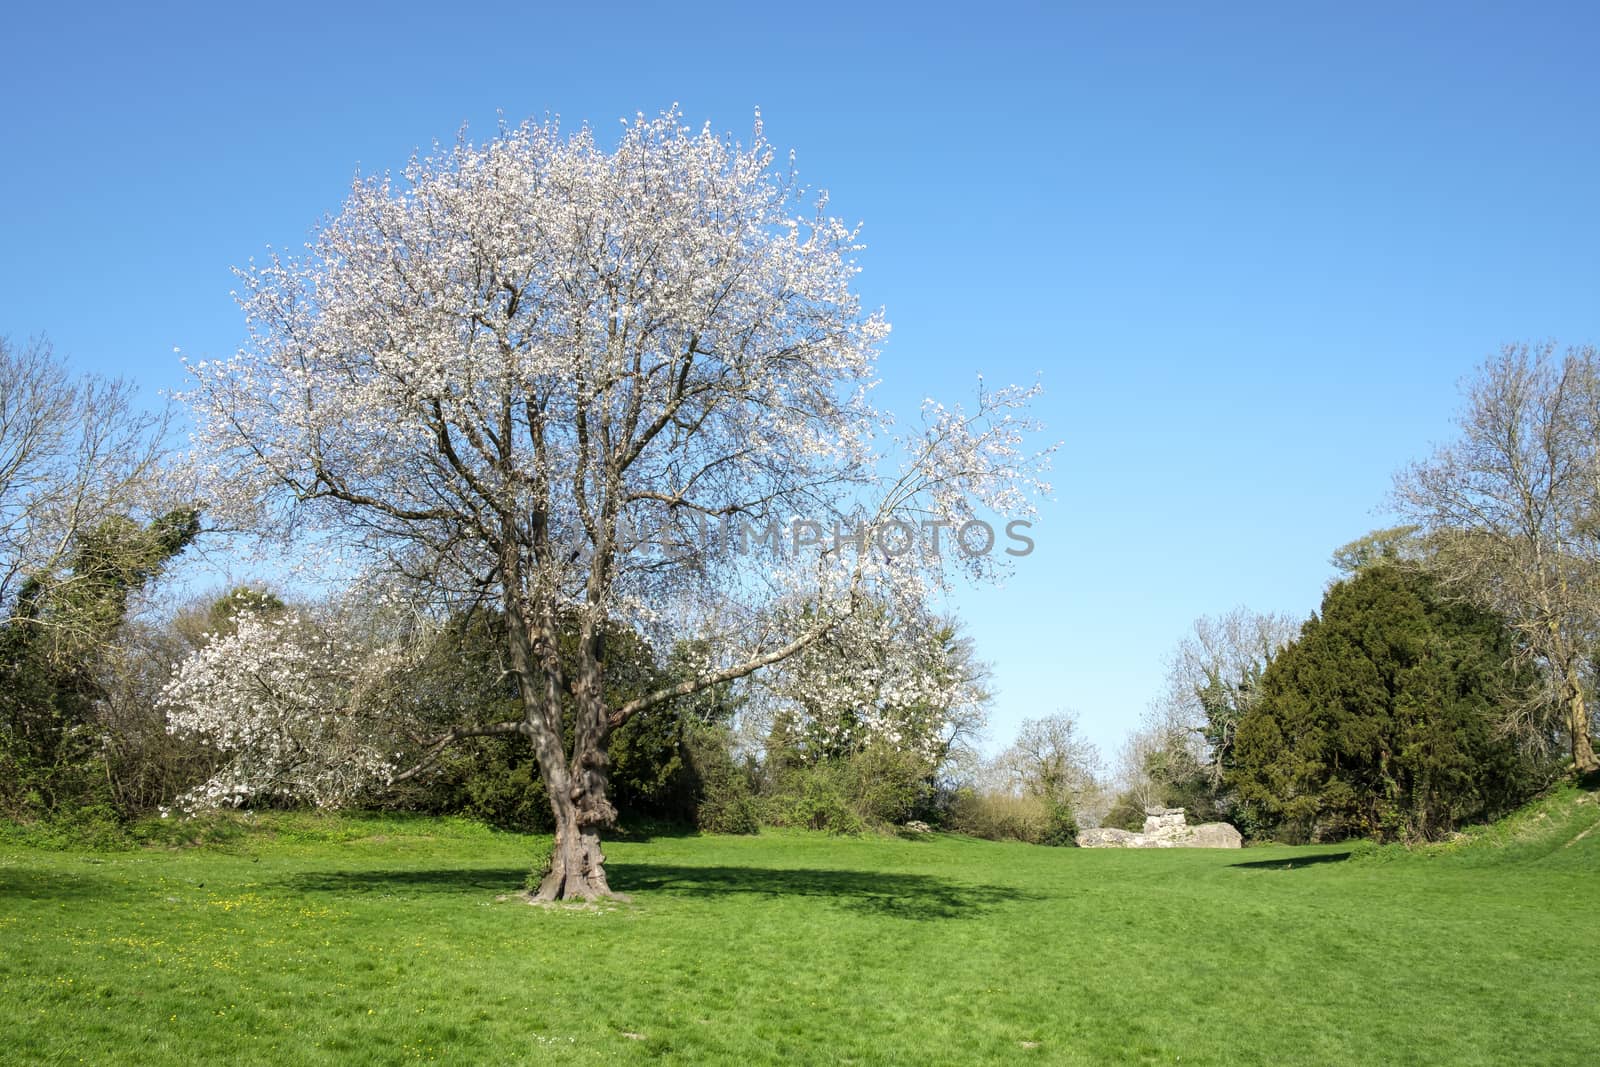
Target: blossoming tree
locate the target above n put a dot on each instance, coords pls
(283, 697)
(553, 376)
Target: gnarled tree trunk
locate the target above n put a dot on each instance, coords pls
(581, 808)
(577, 793)
(577, 870)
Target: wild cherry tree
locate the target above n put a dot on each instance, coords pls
(595, 388)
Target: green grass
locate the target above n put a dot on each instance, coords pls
(389, 941)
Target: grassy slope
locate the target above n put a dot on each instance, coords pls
(390, 946)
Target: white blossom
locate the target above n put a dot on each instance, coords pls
(283, 700)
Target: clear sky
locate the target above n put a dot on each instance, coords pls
(1249, 249)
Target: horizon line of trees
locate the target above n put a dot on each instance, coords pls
(1448, 675)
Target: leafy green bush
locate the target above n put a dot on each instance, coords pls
(1126, 813)
(1366, 850)
(733, 815)
(508, 795)
(651, 771)
(1060, 827)
(814, 798)
(724, 801)
(876, 787)
(888, 785)
(494, 781)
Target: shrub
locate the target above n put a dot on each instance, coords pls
(877, 787)
(651, 772)
(998, 816)
(813, 799)
(509, 797)
(93, 828)
(1060, 827)
(1126, 814)
(724, 799)
(732, 815)
(888, 786)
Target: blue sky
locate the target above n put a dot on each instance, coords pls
(1249, 250)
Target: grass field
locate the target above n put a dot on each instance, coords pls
(384, 941)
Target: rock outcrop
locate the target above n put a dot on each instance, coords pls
(1215, 835)
(1164, 828)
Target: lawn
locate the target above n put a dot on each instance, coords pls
(386, 941)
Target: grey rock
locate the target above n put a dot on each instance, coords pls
(1164, 822)
(1215, 835)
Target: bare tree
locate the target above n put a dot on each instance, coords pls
(1139, 763)
(75, 453)
(1511, 507)
(1052, 761)
(1211, 679)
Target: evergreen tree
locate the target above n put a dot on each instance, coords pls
(1381, 719)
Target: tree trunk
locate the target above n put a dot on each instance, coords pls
(578, 793)
(1583, 757)
(581, 810)
(576, 862)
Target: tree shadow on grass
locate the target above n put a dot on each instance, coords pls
(409, 882)
(895, 894)
(55, 885)
(1293, 863)
(905, 896)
